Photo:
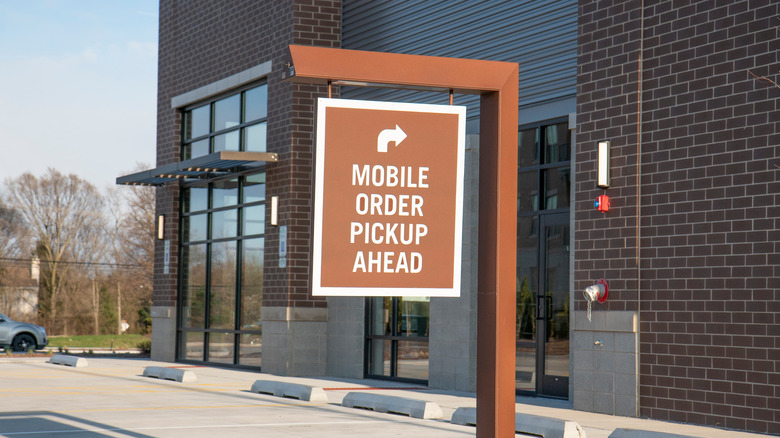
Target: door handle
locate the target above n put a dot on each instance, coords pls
(540, 302)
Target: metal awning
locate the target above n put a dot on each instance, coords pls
(207, 166)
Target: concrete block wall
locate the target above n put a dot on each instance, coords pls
(453, 323)
(295, 341)
(605, 359)
(346, 336)
(163, 333)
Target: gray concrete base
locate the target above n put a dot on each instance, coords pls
(346, 336)
(290, 390)
(295, 341)
(527, 424)
(163, 333)
(71, 361)
(605, 362)
(393, 405)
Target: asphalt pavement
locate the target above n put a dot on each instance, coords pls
(111, 398)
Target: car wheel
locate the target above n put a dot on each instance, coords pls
(23, 342)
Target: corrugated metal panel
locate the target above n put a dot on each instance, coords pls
(540, 35)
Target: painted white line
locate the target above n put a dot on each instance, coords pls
(210, 426)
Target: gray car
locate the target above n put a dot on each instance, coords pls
(21, 336)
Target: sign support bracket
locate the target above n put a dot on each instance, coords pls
(497, 84)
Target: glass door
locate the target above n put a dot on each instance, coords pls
(543, 199)
(542, 329)
(527, 292)
(553, 307)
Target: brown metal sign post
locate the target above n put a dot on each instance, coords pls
(496, 83)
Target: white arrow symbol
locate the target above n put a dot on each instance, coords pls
(386, 136)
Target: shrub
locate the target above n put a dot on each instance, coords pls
(145, 347)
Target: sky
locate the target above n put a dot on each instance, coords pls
(78, 87)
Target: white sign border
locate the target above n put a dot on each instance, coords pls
(317, 288)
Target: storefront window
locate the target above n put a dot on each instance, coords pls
(222, 237)
(233, 123)
(222, 268)
(397, 338)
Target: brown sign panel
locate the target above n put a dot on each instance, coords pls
(388, 199)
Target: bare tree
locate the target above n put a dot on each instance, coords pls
(10, 236)
(64, 214)
(131, 230)
(11, 233)
(138, 228)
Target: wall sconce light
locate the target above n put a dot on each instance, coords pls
(160, 227)
(603, 165)
(275, 211)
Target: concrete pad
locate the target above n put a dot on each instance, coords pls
(527, 424)
(394, 405)
(290, 390)
(71, 361)
(174, 374)
(636, 433)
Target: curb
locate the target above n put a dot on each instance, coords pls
(290, 390)
(394, 405)
(174, 374)
(71, 361)
(530, 424)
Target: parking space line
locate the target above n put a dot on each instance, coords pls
(160, 408)
(211, 426)
(90, 391)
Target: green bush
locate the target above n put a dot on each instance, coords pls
(145, 347)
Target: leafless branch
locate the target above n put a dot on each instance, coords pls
(764, 79)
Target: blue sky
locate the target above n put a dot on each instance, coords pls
(78, 87)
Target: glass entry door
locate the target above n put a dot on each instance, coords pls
(543, 199)
(542, 334)
(553, 315)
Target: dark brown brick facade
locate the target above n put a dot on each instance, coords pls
(708, 263)
(202, 42)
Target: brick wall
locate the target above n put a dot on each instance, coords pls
(315, 23)
(205, 41)
(708, 266)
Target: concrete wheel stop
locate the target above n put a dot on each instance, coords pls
(290, 390)
(527, 424)
(175, 374)
(393, 405)
(71, 361)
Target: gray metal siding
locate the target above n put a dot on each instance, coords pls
(540, 35)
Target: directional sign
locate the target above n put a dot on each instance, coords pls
(388, 201)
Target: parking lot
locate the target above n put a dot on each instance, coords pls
(111, 398)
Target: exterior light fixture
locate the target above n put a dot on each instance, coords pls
(275, 211)
(160, 227)
(603, 164)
